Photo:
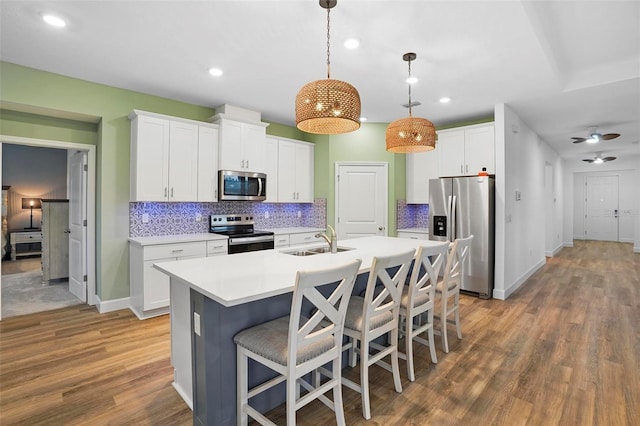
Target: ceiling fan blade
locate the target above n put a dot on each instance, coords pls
(608, 158)
(609, 136)
(578, 140)
(589, 161)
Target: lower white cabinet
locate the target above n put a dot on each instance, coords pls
(303, 238)
(281, 241)
(149, 287)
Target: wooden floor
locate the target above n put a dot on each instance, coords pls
(562, 350)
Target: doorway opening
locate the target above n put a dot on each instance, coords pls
(79, 197)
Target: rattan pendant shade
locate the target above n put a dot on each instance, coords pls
(410, 134)
(328, 106)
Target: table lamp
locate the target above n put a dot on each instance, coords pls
(31, 203)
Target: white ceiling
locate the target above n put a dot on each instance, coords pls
(563, 66)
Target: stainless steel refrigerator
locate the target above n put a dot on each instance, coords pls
(463, 206)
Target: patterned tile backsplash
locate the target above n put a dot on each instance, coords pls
(412, 215)
(180, 218)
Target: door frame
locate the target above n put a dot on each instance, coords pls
(92, 298)
(336, 194)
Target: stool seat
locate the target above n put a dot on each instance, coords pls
(354, 318)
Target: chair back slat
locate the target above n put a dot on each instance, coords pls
(389, 297)
(329, 312)
(458, 254)
(426, 269)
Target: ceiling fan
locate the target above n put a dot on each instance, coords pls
(595, 136)
(598, 159)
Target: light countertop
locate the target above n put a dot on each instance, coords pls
(246, 277)
(170, 239)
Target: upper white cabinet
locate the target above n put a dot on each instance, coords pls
(421, 167)
(464, 151)
(295, 171)
(271, 169)
(164, 157)
(207, 164)
(242, 145)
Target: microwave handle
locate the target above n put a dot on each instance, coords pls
(259, 186)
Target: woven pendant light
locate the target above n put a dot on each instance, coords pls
(328, 106)
(410, 134)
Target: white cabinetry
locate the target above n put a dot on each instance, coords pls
(303, 238)
(164, 157)
(150, 287)
(207, 164)
(464, 151)
(414, 235)
(242, 145)
(271, 169)
(421, 167)
(295, 171)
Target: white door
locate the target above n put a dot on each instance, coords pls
(601, 210)
(361, 199)
(77, 225)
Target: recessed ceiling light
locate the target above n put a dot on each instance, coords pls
(412, 80)
(363, 118)
(445, 100)
(216, 72)
(352, 43)
(54, 21)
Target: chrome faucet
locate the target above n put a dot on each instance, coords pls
(333, 241)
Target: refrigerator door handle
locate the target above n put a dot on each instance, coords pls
(453, 218)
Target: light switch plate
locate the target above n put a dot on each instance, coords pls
(145, 217)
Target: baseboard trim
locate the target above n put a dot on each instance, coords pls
(112, 305)
(183, 394)
(504, 294)
(568, 244)
(636, 249)
(554, 251)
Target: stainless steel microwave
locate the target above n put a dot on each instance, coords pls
(236, 186)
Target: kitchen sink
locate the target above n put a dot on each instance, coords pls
(315, 250)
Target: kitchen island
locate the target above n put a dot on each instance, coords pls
(227, 294)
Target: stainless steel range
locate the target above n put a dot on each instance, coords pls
(242, 235)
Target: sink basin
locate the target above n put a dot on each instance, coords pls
(315, 250)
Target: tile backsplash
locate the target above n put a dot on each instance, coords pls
(180, 218)
(412, 215)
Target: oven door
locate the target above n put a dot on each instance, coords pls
(245, 244)
(242, 185)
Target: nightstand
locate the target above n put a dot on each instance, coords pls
(24, 237)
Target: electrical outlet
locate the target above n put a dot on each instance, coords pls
(299, 213)
(198, 217)
(145, 217)
(196, 323)
(266, 215)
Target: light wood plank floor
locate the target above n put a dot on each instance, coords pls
(563, 350)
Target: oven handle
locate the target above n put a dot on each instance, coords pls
(245, 240)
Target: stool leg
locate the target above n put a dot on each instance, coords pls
(364, 379)
(395, 365)
(408, 340)
(431, 339)
(457, 304)
(443, 323)
(292, 392)
(242, 387)
(338, 405)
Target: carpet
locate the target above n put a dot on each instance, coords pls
(23, 293)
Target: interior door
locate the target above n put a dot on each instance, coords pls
(601, 209)
(361, 199)
(77, 225)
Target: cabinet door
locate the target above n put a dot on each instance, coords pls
(207, 164)
(271, 169)
(231, 155)
(450, 147)
(421, 167)
(304, 172)
(253, 140)
(286, 171)
(149, 159)
(155, 286)
(183, 162)
(480, 149)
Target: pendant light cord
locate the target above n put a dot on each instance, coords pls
(409, 84)
(328, 42)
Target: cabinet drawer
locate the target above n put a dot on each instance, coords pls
(304, 238)
(26, 237)
(216, 247)
(281, 241)
(413, 235)
(163, 251)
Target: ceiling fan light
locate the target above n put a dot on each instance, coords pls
(598, 161)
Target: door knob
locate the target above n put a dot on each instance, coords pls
(380, 228)
(67, 231)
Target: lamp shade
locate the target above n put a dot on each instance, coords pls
(328, 107)
(28, 203)
(411, 134)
